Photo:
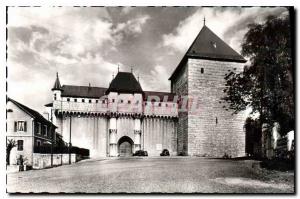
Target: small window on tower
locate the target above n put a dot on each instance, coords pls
(113, 100)
(96, 101)
(82, 100)
(75, 100)
(202, 70)
(103, 101)
(55, 96)
(68, 99)
(129, 102)
(159, 104)
(121, 101)
(90, 101)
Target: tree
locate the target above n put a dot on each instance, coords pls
(11, 143)
(266, 84)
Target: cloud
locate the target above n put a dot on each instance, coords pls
(131, 27)
(229, 24)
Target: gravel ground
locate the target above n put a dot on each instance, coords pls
(153, 175)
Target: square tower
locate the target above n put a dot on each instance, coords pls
(210, 129)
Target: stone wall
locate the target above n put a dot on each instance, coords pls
(179, 86)
(41, 161)
(213, 130)
(159, 134)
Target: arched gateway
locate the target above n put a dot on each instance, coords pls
(125, 146)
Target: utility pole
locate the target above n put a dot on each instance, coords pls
(70, 143)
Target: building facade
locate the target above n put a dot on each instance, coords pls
(123, 118)
(28, 129)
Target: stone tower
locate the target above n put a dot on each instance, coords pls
(212, 130)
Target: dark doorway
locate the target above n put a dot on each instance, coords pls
(125, 146)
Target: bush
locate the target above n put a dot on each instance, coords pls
(165, 152)
(140, 153)
(61, 149)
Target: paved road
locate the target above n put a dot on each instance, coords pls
(140, 175)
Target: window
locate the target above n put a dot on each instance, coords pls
(68, 99)
(39, 128)
(159, 104)
(82, 100)
(129, 102)
(121, 101)
(145, 103)
(113, 100)
(166, 105)
(75, 100)
(20, 145)
(55, 96)
(20, 126)
(216, 120)
(103, 101)
(96, 101)
(90, 101)
(202, 70)
(45, 130)
(137, 102)
(38, 143)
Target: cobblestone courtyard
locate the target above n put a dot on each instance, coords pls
(139, 175)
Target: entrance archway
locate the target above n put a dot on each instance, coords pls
(125, 145)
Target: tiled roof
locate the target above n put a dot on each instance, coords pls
(161, 95)
(36, 115)
(208, 45)
(82, 91)
(124, 82)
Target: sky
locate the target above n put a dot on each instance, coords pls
(87, 44)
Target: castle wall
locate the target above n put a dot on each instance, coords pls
(86, 132)
(180, 87)
(125, 127)
(213, 130)
(159, 134)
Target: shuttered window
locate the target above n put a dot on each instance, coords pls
(20, 126)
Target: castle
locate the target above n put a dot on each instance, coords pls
(123, 118)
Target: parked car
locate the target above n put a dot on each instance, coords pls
(165, 152)
(140, 153)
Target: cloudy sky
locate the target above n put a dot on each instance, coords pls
(86, 45)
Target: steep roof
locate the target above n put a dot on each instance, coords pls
(208, 45)
(82, 91)
(56, 85)
(161, 95)
(124, 82)
(36, 115)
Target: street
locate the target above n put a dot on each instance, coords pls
(152, 175)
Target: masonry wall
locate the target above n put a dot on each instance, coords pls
(88, 132)
(159, 134)
(213, 130)
(179, 86)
